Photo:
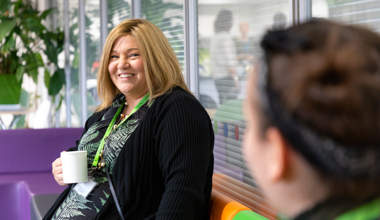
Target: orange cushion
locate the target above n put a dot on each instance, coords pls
(223, 207)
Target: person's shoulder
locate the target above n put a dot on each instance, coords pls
(177, 94)
(96, 116)
(178, 98)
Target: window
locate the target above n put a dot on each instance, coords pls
(229, 34)
(362, 12)
(169, 17)
(118, 11)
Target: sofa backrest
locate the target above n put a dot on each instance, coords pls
(34, 150)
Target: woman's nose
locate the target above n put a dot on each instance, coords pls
(123, 63)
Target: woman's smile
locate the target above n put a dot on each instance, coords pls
(126, 75)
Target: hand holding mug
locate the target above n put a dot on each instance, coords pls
(57, 171)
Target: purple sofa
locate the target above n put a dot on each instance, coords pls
(26, 181)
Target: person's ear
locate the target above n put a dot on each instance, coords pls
(279, 153)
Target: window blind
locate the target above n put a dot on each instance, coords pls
(362, 12)
(118, 11)
(168, 15)
(228, 42)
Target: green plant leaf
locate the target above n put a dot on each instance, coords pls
(20, 72)
(33, 72)
(47, 78)
(76, 59)
(10, 89)
(39, 61)
(56, 82)
(33, 24)
(14, 62)
(24, 38)
(47, 12)
(9, 43)
(59, 103)
(6, 27)
(5, 6)
(17, 6)
(30, 60)
(60, 41)
(20, 21)
(50, 51)
(57, 37)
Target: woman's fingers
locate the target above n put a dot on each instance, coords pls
(57, 171)
(59, 179)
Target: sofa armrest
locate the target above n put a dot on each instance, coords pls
(40, 204)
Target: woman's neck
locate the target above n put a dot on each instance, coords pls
(303, 188)
(131, 103)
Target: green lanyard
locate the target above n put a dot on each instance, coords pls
(110, 126)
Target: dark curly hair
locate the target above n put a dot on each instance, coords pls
(326, 76)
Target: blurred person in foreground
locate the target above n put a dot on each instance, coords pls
(313, 120)
(159, 151)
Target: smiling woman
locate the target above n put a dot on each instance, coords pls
(150, 142)
(126, 70)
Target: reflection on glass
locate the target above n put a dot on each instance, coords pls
(224, 58)
(366, 13)
(169, 17)
(118, 11)
(73, 63)
(229, 34)
(245, 45)
(93, 52)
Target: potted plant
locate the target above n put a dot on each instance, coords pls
(26, 45)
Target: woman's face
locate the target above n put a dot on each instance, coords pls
(126, 68)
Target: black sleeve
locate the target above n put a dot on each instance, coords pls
(185, 158)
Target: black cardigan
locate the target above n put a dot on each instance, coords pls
(164, 170)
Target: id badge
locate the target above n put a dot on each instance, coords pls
(85, 188)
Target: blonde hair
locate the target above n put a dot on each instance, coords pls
(162, 69)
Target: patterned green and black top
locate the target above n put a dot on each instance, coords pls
(77, 207)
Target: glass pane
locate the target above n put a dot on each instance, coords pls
(93, 52)
(74, 63)
(118, 11)
(229, 37)
(168, 15)
(363, 12)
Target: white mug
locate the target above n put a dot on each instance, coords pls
(74, 166)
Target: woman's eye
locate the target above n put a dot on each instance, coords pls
(134, 55)
(114, 56)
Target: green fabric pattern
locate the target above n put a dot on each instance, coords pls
(89, 136)
(71, 206)
(105, 195)
(117, 140)
(100, 179)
